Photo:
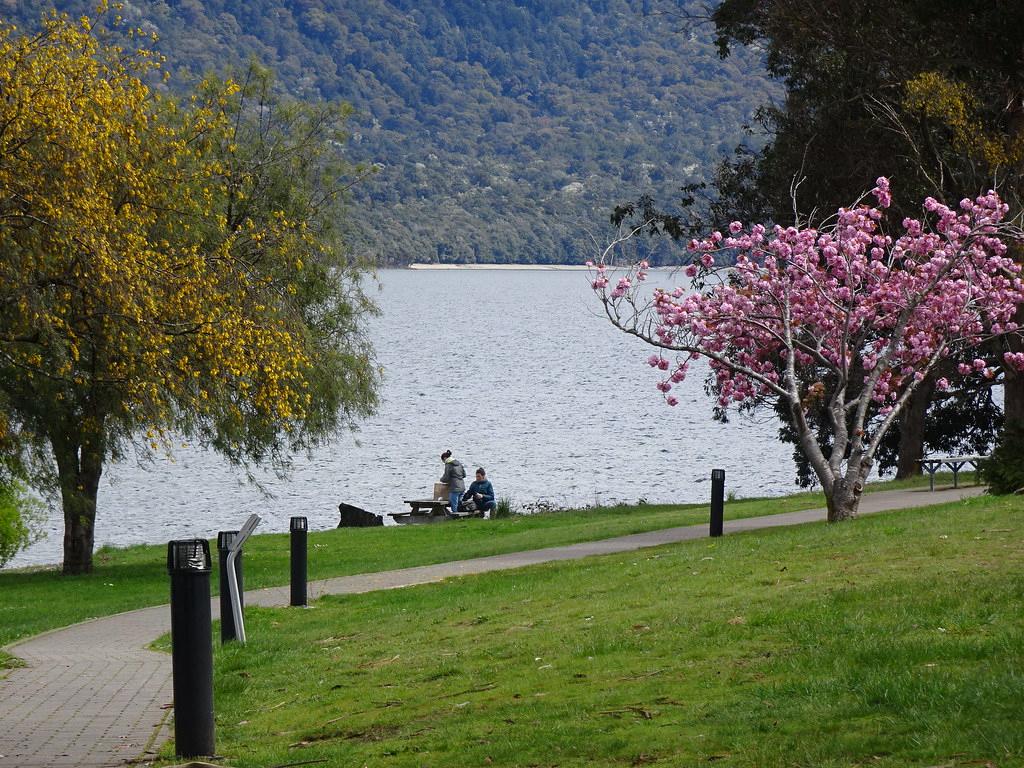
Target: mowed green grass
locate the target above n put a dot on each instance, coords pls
(33, 601)
(893, 640)
(36, 600)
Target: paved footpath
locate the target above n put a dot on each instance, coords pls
(92, 696)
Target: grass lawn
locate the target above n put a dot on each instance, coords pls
(895, 640)
(32, 601)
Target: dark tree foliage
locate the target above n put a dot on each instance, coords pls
(1004, 471)
(847, 116)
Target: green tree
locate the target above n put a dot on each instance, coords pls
(883, 88)
(20, 518)
(166, 269)
(1004, 469)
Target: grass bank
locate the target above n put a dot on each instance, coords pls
(33, 601)
(897, 640)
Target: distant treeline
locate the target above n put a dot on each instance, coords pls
(505, 131)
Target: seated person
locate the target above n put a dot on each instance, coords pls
(480, 491)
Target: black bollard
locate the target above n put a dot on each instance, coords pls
(298, 530)
(228, 631)
(717, 501)
(188, 563)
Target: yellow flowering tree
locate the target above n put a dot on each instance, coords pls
(166, 268)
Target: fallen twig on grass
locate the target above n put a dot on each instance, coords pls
(478, 689)
(379, 662)
(641, 676)
(644, 713)
(282, 703)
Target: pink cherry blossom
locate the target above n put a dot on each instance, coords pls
(849, 316)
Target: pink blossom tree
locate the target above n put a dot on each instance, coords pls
(844, 316)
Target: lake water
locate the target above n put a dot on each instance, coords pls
(511, 370)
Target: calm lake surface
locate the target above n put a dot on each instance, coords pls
(512, 370)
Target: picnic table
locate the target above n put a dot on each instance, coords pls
(955, 463)
(422, 511)
(430, 511)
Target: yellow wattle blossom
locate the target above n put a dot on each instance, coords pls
(95, 157)
(953, 105)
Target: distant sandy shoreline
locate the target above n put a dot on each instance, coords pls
(514, 267)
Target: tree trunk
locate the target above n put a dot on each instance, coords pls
(79, 468)
(911, 448)
(844, 498)
(78, 537)
(1013, 398)
(1013, 381)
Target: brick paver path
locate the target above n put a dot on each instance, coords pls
(92, 696)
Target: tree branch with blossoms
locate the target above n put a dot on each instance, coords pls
(845, 313)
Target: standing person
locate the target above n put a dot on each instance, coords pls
(481, 491)
(454, 477)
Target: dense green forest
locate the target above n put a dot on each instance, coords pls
(504, 130)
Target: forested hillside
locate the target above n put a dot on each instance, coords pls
(505, 131)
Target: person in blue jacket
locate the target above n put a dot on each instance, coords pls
(481, 491)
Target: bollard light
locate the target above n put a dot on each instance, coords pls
(717, 501)
(228, 630)
(299, 530)
(188, 564)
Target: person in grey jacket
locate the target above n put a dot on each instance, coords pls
(454, 477)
